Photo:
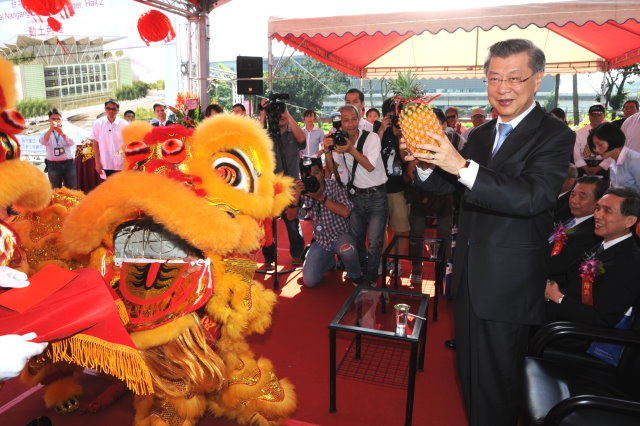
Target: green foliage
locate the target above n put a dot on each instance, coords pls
(137, 90)
(160, 84)
(107, 55)
(21, 58)
(144, 114)
(220, 92)
(30, 108)
(119, 53)
(308, 84)
(616, 91)
(405, 86)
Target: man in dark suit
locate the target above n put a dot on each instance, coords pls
(562, 212)
(160, 111)
(510, 170)
(615, 287)
(579, 227)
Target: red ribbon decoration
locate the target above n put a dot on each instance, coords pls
(421, 100)
(588, 271)
(560, 237)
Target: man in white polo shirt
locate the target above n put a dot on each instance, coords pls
(107, 132)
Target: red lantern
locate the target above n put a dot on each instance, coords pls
(155, 26)
(48, 8)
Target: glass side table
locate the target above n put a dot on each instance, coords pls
(370, 311)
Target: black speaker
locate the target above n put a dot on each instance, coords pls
(249, 67)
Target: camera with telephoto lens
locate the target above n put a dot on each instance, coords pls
(339, 137)
(310, 182)
(275, 107)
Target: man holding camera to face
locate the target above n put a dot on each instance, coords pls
(288, 139)
(329, 205)
(59, 163)
(354, 156)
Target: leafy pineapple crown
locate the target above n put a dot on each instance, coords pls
(406, 86)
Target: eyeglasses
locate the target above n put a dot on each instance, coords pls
(511, 81)
(110, 109)
(450, 117)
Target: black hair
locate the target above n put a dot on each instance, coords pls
(241, 107)
(441, 117)
(600, 186)
(374, 110)
(158, 105)
(112, 101)
(213, 107)
(129, 112)
(354, 90)
(309, 112)
(630, 205)
(54, 111)
(610, 133)
(559, 112)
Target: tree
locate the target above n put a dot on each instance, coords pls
(137, 90)
(30, 108)
(307, 84)
(615, 91)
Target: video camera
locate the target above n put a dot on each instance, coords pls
(310, 182)
(275, 107)
(339, 137)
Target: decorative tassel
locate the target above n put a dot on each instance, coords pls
(120, 361)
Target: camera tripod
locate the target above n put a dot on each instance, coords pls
(275, 273)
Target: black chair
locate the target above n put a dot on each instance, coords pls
(579, 390)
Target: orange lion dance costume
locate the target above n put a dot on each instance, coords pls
(172, 236)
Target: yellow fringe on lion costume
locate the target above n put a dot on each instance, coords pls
(172, 236)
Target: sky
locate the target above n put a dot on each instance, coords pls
(238, 27)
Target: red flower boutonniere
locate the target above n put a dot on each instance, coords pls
(560, 234)
(589, 269)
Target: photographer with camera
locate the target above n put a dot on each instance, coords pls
(390, 135)
(330, 207)
(353, 155)
(288, 139)
(59, 162)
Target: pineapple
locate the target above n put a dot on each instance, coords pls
(415, 118)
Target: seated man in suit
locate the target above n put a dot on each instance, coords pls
(609, 285)
(579, 229)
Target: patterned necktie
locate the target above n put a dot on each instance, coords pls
(570, 223)
(503, 129)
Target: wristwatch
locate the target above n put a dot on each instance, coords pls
(466, 164)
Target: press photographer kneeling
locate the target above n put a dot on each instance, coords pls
(330, 207)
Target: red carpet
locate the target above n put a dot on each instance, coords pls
(298, 343)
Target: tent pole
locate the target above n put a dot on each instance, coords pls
(203, 56)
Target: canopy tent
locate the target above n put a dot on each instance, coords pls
(576, 36)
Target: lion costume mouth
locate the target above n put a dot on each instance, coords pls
(158, 275)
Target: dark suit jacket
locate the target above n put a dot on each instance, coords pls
(506, 219)
(562, 212)
(578, 243)
(157, 123)
(613, 291)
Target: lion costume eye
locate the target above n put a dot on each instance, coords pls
(137, 151)
(235, 169)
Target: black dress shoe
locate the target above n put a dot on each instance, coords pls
(451, 344)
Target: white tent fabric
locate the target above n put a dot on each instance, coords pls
(577, 36)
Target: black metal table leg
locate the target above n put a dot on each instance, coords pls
(412, 384)
(332, 371)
